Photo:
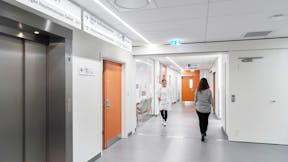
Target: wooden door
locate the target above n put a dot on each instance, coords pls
(187, 92)
(188, 89)
(111, 101)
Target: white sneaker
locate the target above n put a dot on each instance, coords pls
(164, 124)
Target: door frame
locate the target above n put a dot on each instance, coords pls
(123, 98)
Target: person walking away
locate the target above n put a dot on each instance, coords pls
(164, 102)
(203, 103)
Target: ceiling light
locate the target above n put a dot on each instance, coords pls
(20, 26)
(36, 32)
(121, 20)
(174, 63)
(132, 4)
(144, 62)
(20, 34)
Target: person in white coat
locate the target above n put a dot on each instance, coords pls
(164, 98)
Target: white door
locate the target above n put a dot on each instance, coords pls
(259, 113)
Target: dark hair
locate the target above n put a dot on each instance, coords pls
(163, 80)
(203, 85)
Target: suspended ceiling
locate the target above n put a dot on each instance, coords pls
(197, 20)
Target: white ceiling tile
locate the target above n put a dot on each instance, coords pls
(237, 7)
(235, 27)
(164, 26)
(165, 14)
(174, 3)
(167, 36)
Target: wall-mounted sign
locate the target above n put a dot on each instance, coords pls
(62, 10)
(97, 28)
(87, 71)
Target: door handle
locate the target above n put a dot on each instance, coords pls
(107, 103)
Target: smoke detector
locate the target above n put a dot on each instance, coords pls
(131, 5)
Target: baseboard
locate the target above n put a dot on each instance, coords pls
(226, 136)
(130, 134)
(112, 141)
(98, 156)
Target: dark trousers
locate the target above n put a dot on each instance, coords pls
(203, 121)
(164, 114)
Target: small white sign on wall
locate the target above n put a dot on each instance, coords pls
(63, 10)
(87, 71)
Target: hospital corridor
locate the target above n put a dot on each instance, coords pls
(143, 80)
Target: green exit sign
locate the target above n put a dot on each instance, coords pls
(175, 42)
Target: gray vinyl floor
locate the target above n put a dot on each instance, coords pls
(180, 142)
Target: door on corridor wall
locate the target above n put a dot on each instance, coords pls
(190, 81)
(111, 102)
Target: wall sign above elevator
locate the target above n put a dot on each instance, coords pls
(97, 28)
(62, 10)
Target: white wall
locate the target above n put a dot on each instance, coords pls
(220, 67)
(87, 94)
(254, 117)
(87, 111)
(172, 79)
(179, 87)
(157, 85)
(220, 86)
(206, 74)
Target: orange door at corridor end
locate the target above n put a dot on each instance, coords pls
(111, 101)
(190, 81)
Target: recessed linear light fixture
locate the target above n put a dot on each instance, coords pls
(174, 63)
(121, 21)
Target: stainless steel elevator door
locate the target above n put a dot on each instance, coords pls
(22, 100)
(35, 102)
(11, 99)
